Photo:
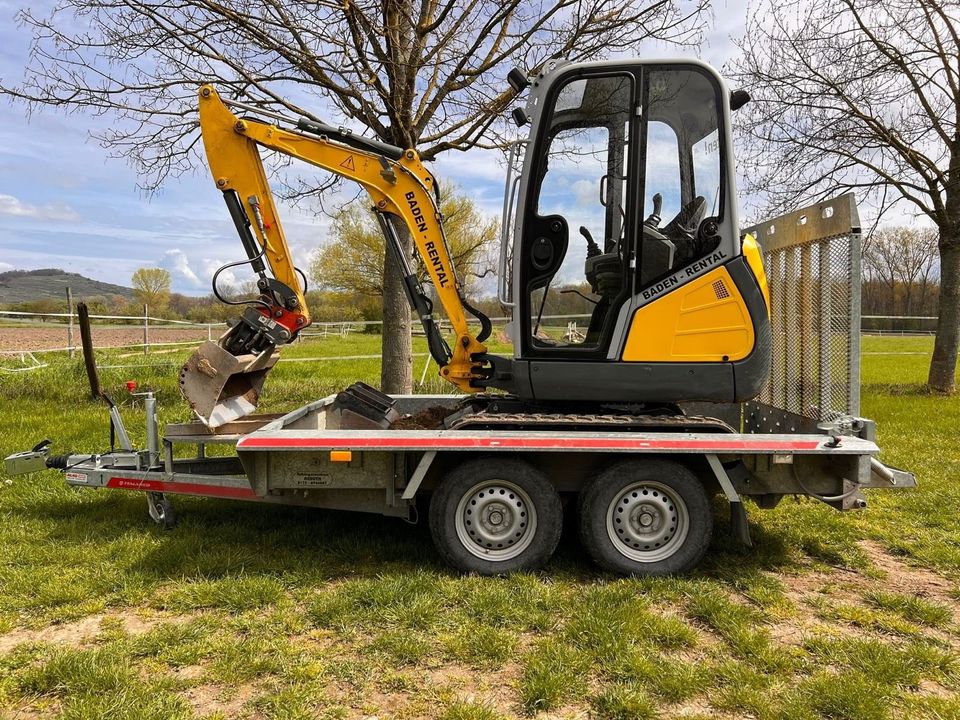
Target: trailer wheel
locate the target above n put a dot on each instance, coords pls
(646, 517)
(161, 510)
(495, 516)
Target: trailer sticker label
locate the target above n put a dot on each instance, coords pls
(182, 488)
(304, 480)
(76, 477)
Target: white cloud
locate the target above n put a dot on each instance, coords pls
(476, 166)
(5, 266)
(176, 261)
(227, 280)
(585, 192)
(9, 205)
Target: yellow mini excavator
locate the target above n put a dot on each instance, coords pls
(636, 155)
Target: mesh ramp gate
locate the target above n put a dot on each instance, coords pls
(812, 262)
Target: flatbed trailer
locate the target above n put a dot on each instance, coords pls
(644, 497)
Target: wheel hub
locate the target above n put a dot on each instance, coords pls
(647, 521)
(495, 520)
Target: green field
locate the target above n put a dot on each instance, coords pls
(256, 611)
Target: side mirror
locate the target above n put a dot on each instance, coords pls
(518, 80)
(738, 98)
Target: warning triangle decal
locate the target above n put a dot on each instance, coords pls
(348, 163)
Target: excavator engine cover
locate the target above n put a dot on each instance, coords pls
(221, 387)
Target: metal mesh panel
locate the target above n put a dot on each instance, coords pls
(811, 258)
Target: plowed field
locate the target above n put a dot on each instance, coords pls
(55, 336)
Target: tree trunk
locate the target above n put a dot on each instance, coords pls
(943, 366)
(396, 373)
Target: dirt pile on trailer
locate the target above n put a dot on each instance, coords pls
(429, 419)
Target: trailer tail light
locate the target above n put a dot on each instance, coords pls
(341, 456)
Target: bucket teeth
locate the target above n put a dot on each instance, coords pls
(220, 387)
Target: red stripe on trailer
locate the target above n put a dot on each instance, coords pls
(522, 443)
(239, 493)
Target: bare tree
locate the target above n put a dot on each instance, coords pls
(424, 74)
(861, 95)
(904, 261)
(880, 263)
(917, 266)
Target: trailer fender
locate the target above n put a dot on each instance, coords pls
(739, 527)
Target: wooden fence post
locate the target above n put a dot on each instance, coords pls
(86, 341)
(69, 322)
(146, 322)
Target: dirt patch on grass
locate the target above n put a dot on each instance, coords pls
(495, 687)
(83, 631)
(814, 589)
(805, 590)
(210, 699)
(31, 712)
(790, 633)
(698, 707)
(907, 578)
(567, 712)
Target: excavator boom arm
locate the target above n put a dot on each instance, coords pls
(398, 185)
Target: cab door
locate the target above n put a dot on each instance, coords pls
(578, 240)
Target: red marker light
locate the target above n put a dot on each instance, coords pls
(131, 386)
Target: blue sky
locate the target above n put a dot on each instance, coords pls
(64, 203)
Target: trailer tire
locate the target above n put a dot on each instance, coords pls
(495, 516)
(161, 510)
(646, 517)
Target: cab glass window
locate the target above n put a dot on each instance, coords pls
(682, 171)
(577, 245)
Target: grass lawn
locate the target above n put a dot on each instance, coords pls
(255, 611)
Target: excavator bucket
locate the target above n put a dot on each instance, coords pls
(221, 387)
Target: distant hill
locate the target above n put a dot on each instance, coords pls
(18, 286)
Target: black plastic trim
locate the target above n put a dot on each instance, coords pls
(752, 373)
(346, 136)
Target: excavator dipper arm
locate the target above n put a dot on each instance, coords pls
(223, 379)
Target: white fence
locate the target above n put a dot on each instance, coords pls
(149, 326)
(71, 335)
(146, 324)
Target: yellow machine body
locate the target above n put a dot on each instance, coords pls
(705, 320)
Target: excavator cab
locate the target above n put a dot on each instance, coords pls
(624, 215)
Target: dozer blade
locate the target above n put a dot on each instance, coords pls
(221, 387)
